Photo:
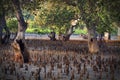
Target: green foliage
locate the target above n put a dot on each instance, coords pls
(112, 7)
(99, 14)
(107, 22)
(12, 24)
(47, 30)
(55, 16)
(93, 13)
(38, 30)
(80, 31)
(27, 15)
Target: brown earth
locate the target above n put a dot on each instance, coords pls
(72, 52)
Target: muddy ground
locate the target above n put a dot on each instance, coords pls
(59, 60)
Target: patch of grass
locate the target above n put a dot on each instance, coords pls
(80, 31)
(38, 30)
(47, 30)
(31, 30)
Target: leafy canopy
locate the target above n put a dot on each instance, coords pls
(56, 16)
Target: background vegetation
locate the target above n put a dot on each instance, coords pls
(46, 16)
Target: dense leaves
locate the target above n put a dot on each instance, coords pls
(12, 24)
(98, 13)
(104, 15)
(55, 15)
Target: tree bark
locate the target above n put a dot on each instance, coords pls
(1, 29)
(93, 46)
(69, 32)
(7, 34)
(19, 44)
(60, 36)
(52, 36)
(3, 25)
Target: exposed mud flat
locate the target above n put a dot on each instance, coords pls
(58, 60)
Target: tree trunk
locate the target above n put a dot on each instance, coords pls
(7, 35)
(52, 36)
(107, 36)
(60, 37)
(1, 29)
(3, 25)
(69, 32)
(19, 44)
(92, 41)
(1, 19)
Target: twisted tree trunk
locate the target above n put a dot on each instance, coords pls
(69, 32)
(19, 44)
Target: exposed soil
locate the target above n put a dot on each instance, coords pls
(58, 60)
